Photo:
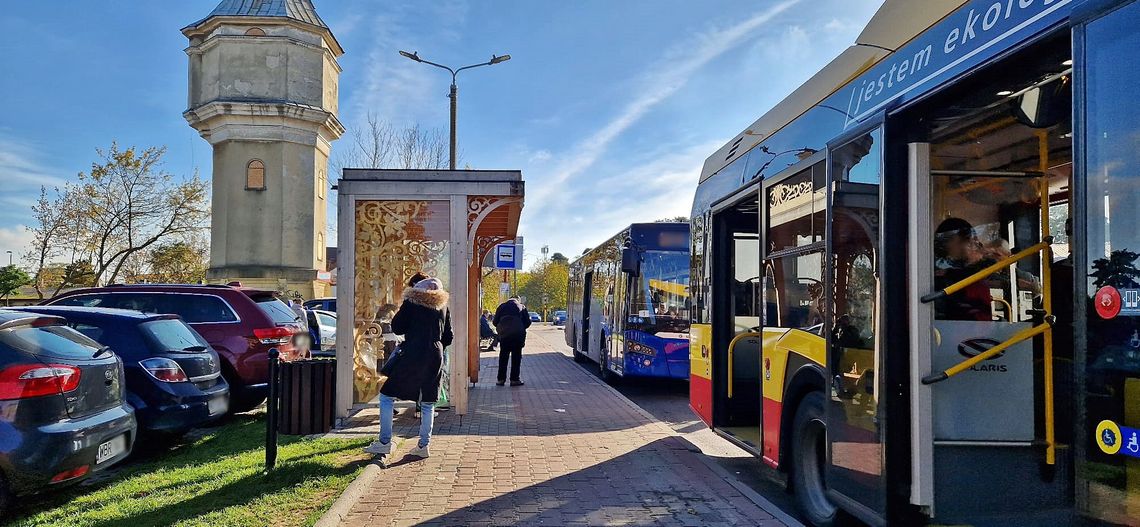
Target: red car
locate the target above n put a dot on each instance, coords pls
(240, 323)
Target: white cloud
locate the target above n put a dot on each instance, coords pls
(658, 186)
(21, 168)
(395, 88)
(540, 156)
(661, 82)
(16, 239)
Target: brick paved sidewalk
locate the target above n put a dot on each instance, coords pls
(562, 450)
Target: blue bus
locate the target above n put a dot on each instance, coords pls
(629, 303)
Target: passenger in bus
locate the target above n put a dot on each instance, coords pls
(958, 255)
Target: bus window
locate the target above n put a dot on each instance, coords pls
(798, 284)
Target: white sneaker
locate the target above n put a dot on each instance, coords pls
(378, 449)
(419, 451)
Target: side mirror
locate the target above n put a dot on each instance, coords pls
(630, 261)
(1044, 106)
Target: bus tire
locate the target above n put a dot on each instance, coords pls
(809, 458)
(604, 372)
(579, 357)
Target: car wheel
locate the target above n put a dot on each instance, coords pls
(809, 462)
(241, 400)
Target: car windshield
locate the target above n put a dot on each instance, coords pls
(277, 310)
(173, 335)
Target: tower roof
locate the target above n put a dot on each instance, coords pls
(296, 10)
(301, 10)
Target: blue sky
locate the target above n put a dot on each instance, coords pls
(608, 108)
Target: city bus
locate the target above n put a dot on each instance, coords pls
(915, 288)
(629, 303)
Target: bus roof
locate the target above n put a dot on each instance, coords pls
(894, 24)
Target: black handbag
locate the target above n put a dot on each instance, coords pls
(392, 361)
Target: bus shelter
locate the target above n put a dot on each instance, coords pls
(393, 223)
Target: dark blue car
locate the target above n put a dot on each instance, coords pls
(62, 411)
(173, 377)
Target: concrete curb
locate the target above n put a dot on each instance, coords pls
(338, 512)
(720, 471)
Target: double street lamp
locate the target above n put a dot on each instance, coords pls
(454, 96)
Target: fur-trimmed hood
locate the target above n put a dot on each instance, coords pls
(434, 299)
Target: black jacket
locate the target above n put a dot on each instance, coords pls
(425, 323)
(512, 307)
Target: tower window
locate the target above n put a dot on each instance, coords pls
(255, 32)
(255, 175)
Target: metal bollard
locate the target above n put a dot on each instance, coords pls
(271, 407)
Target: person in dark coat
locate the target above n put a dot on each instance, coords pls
(511, 320)
(425, 323)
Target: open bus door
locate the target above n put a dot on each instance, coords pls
(988, 190)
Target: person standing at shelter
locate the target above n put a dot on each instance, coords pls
(511, 320)
(425, 323)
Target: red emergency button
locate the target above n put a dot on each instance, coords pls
(1107, 302)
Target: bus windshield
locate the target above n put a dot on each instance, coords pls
(659, 297)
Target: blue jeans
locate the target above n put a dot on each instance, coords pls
(427, 419)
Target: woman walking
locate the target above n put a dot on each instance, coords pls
(425, 323)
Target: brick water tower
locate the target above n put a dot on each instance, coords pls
(263, 92)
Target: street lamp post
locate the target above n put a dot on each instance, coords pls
(454, 95)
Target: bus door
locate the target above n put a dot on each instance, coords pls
(990, 352)
(853, 325)
(736, 320)
(587, 303)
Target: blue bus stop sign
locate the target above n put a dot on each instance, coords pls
(505, 255)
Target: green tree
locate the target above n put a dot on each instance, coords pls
(545, 286)
(12, 278)
(178, 262)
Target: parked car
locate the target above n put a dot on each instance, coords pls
(63, 412)
(535, 317)
(322, 327)
(174, 379)
(322, 304)
(559, 318)
(241, 324)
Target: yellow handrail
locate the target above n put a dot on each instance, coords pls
(991, 269)
(1047, 298)
(731, 351)
(1022, 335)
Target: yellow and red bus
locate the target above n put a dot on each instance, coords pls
(915, 282)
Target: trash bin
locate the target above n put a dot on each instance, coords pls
(307, 396)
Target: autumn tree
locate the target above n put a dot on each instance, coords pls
(127, 204)
(545, 287)
(113, 215)
(54, 224)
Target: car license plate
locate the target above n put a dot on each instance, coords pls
(217, 405)
(110, 449)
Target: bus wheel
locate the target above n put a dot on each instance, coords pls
(578, 356)
(809, 459)
(604, 372)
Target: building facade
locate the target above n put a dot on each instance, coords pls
(263, 92)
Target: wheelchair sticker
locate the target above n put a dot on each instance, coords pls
(1115, 439)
